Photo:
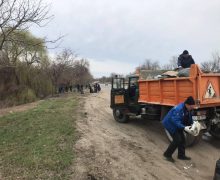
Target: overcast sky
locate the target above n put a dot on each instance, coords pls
(118, 35)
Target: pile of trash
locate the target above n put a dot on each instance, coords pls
(161, 74)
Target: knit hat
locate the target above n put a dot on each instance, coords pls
(185, 52)
(190, 101)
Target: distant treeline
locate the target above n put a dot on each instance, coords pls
(212, 65)
(27, 72)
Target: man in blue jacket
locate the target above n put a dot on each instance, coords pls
(177, 120)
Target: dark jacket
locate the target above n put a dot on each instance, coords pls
(185, 61)
(175, 118)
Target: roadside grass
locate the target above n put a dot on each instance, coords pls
(38, 144)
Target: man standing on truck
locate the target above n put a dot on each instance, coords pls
(185, 60)
(177, 120)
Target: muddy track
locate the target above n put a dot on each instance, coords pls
(110, 150)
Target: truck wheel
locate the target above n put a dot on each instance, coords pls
(120, 116)
(215, 131)
(190, 140)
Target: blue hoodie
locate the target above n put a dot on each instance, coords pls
(174, 119)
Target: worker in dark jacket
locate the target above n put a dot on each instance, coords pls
(177, 120)
(185, 60)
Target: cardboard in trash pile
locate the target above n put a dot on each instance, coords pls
(150, 74)
(170, 73)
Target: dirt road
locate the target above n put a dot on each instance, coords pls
(133, 151)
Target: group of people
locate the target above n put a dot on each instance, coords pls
(71, 88)
(95, 88)
(65, 88)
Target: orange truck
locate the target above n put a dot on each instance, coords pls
(153, 98)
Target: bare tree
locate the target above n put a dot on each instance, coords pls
(4, 60)
(81, 71)
(149, 65)
(212, 65)
(20, 14)
(68, 69)
(67, 57)
(63, 63)
(172, 64)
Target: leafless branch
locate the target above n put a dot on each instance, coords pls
(20, 14)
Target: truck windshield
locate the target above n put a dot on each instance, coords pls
(118, 83)
(134, 82)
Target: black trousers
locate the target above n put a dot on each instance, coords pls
(178, 142)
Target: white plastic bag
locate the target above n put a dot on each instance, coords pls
(195, 128)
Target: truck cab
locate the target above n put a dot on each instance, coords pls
(124, 97)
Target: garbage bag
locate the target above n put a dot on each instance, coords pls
(195, 128)
(184, 72)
